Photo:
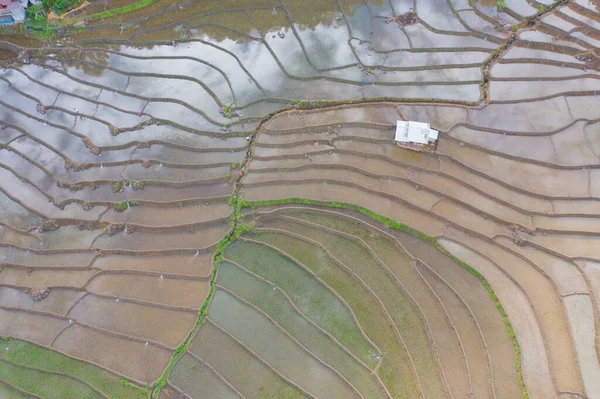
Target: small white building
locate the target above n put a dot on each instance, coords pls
(410, 132)
(18, 12)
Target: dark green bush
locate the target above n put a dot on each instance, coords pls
(60, 6)
(36, 13)
(48, 4)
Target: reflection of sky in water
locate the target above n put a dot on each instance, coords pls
(481, 25)
(361, 23)
(406, 59)
(183, 67)
(402, 6)
(437, 13)
(327, 45)
(292, 64)
(388, 37)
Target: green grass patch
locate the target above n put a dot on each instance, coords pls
(128, 384)
(124, 205)
(118, 11)
(51, 374)
(61, 6)
(117, 186)
(139, 185)
(228, 110)
(305, 104)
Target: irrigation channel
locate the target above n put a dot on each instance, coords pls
(204, 199)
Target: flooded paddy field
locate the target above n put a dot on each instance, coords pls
(205, 200)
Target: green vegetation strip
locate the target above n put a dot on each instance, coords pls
(431, 240)
(37, 18)
(117, 11)
(48, 373)
(237, 228)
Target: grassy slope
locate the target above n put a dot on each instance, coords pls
(67, 377)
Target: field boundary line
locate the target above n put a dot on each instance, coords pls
(401, 246)
(503, 248)
(393, 277)
(20, 390)
(440, 173)
(309, 271)
(104, 368)
(525, 294)
(323, 331)
(215, 372)
(179, 391)
(431, 240)
(260, 359)
(285, 332)
(397, 333)
(56, 373)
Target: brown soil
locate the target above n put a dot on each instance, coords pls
(58, 303)
(31, 327)
(49, 225)
(182, 291)
(592, 62)
(165, 326)
(144, 363)
(405, 19)
(198, 237)
(42, 279)
(173, 215)
(54, 18)
(535, 362)
(490, 322)
(188, 264)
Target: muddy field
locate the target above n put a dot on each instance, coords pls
(142, 159)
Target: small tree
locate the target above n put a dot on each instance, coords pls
(61, 5)
(48, 4)
(36, 13)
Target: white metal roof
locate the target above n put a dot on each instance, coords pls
(415, 132)
(18, 14)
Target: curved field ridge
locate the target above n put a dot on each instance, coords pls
(464, 195)
(129, 149)
(33, 371)
(271, 301)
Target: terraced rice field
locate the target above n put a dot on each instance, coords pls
(204, 200)
(32, 371)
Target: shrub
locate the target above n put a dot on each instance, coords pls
(36, 13)
(48, 4)
(501, 4)
(60, 6)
